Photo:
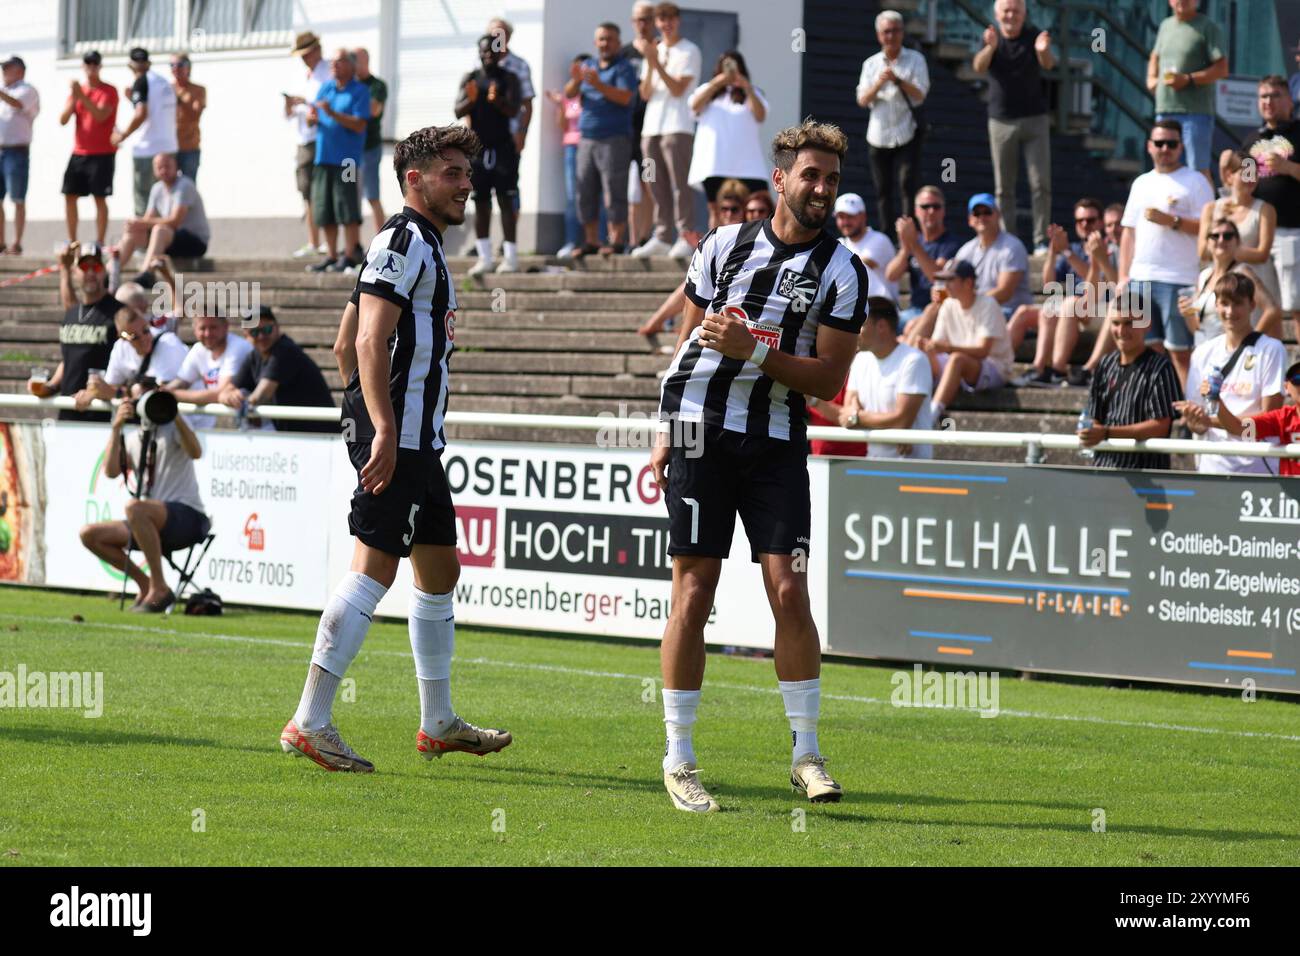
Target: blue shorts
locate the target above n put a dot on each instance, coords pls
(13, 173)
(1167, 325)
(370, 160)
(1198, 135)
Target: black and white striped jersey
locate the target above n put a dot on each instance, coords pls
(784, 293)
(405, 265)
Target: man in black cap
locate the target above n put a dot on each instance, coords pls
(155, 117)
(19, 104)
(94, 159)
(87, 335)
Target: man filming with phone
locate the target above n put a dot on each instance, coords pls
(165, 512)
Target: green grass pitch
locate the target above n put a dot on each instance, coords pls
(184, 766)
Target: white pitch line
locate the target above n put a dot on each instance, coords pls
(615, 675)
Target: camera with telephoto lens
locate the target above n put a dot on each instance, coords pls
(155, 408)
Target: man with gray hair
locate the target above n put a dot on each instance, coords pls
(1014, 54)
(893, 85)
(341, 111)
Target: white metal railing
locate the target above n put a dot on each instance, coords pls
(1031, 441)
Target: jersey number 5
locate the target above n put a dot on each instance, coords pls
(410, 520)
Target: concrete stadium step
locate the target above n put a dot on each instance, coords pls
(662, 282)
(538, 363)
(561, 320)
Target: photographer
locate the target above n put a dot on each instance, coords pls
(166, 512)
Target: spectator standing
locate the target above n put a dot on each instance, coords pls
(279, 372)
(87, 333)
(970, 349)
(19, 105)
(1224, 242)
(669, 71)
(174, 221)
(167, 516)
(568, 115)
(893, 85)
(341, 110)
(373, 152)
(211, 364)
(1158, 246)
(1281, 423)
(1072, 277)
(1190, 56)
(1250, 367)
(1132, 394)
(607, 87)
(191, 101)
(489, 96)
(501, 31)
(729, 109)
(640, 216)
(871, 246)
(924, 247)
(298, 107)
(155, 117)
(1014, 54)
(1277, 166)
(94, 160)
(1256, 221)
(889, 383)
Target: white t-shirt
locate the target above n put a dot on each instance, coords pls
(879, 382)
(876, 247)
(15, 123)
(1257, 374)
(308, 89)
(727, 141)
(124, 361)
(956, 326)
(1159, 253)
(201, 371)
(666, 114)
(158, 131)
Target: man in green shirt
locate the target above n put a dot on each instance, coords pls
(374, 149)
(1189, 58)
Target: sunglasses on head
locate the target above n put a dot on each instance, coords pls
(127, 336)
(929, 206)
(1166, 143)
(1224, 236)
(265, 329)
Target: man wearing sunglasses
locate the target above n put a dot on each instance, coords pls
(1281, 423)
(1158, 246)
(141, 352)
(279, 372)
(924, 248)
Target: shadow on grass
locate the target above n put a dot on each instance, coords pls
(110, 737)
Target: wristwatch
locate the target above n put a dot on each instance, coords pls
(1177, 224)
(853, 421)
(812, 401)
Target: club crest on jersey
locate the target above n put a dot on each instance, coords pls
(797, 287)
(392, 266)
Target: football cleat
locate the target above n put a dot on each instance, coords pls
(462, 737)
(810, 776)
(324, 747)
(683, 785)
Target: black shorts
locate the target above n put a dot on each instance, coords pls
(186, 245)
(184, 527)
(763, 479)
(495, 170)
(89, 175)
(414, 509)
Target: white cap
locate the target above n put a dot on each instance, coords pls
(850, 203)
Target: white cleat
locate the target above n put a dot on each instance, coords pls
(323, 747)
(462, 737)
(809, 776)
(683, 785)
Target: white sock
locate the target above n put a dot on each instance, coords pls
(679, 719)
(484, 247)
(511, 251)
(936, 411)
(432, 625)
(802, 706)
(343, 626)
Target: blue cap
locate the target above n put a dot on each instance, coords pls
(981, 199)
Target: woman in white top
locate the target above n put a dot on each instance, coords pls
(727, 146)
(1225, 247)
(1255, 219)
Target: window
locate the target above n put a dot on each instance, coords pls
(114, 26)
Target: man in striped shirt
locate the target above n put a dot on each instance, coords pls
(1133, 392)
(392, 422)
(773, 311)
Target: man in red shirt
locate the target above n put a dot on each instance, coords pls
(90, 170)
(1280, 423)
